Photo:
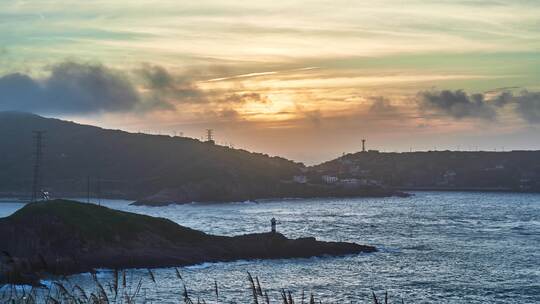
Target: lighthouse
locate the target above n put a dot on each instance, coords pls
(273, 225)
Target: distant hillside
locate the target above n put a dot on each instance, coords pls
(444, 170)
(122, 164)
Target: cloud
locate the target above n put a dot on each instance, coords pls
(164, 89)
(528, 106)
(72, 88)
(382, 106)
(458, 104)
(502, 99)
(78, 88)
(314, 117)
(502, 89)
(229, 114)
(167, 90)
(240, 98)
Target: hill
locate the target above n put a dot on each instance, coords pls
(132, 165)
(441, 170)
(66, 237)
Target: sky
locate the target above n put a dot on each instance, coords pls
(306, 80)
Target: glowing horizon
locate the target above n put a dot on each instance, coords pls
(304, 80)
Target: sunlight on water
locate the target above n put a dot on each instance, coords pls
(434, 247)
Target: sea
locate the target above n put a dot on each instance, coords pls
(433, 247)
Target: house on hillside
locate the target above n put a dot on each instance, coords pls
(300, 179)
(448, 178)
(351, 182)
(328, 179)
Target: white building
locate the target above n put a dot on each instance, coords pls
(329, 179)
(300, 179)
(350, 181)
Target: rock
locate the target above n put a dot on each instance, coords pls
(231, 192)
(66, 237)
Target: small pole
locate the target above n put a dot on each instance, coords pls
(88, 189)
(38, 158)
(99, 191)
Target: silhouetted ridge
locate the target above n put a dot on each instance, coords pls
(131, 165)
(442, 170)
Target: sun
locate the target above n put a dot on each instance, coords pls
(276, 108)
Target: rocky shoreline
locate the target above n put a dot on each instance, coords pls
(67, 237)
(210, 193)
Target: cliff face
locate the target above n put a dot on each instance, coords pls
(69, 237)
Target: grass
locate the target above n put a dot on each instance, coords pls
(121, 290)
(101, 223)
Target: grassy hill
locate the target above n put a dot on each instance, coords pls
(514, 170)
(100, 224)
(130, 165)
(65, 237)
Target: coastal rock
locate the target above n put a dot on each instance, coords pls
(236, 192)
(66, 237)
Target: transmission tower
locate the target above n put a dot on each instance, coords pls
(210, 135)
(38, 158)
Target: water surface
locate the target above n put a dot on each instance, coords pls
(435, 247)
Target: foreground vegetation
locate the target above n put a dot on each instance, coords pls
(123, 290)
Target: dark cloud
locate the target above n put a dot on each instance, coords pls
(457, 104)
(229, 114)
(165, 89)
(76, 88)
(220, 115)
(70, 88)
(528, 106)
(382, 106)
(156, 77)
(240, 98)
(502, 99)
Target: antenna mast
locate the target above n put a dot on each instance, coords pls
(363, 145)
(38, 158)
